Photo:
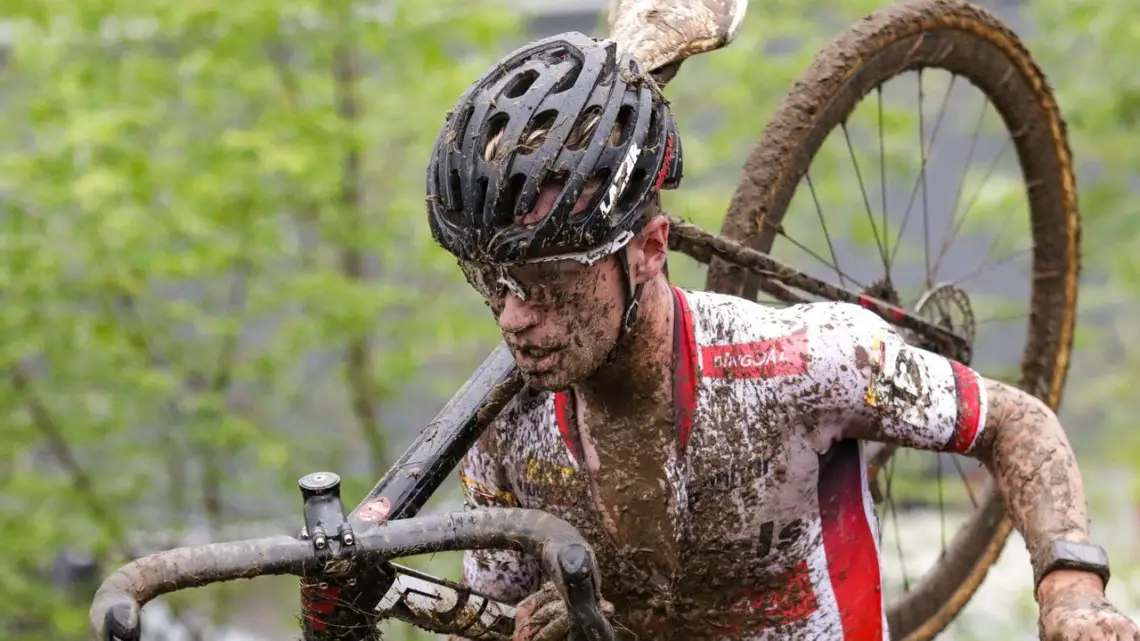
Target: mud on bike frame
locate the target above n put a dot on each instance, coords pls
(348, 580)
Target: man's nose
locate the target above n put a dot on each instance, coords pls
(517, 315)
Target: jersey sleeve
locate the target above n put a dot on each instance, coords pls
(913, 397)
(503, 575)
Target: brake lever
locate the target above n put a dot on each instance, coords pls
(582, 591)
(122, 624)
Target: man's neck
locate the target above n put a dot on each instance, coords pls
(641, 371)
(625, 422)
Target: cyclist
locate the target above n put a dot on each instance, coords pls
(709, 447)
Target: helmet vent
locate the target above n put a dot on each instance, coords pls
(569, 80)
(536, 131)
(583, 128)
(494, 146)
(519, 85)
(508, 201)
(624, 125)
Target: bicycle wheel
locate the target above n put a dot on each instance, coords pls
(917, 39)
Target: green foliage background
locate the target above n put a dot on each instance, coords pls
(216, 274)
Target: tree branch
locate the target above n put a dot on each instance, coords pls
(113, 304)
(307, 214)
(218, 385)
(358, 359)
(81, 481)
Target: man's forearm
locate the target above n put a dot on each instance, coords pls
(1025, 449)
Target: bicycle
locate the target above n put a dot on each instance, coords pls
(349, 558)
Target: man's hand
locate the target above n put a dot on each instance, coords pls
(1073, 607)
(542, 616)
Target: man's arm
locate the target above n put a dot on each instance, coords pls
(1026, 450)
(891, 391)
(503, 575)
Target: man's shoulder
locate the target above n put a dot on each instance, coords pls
(720, 318)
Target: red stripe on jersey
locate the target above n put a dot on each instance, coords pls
(562, 409)
(781, 356)
(685, 369)
(852, 556)
(969, 408)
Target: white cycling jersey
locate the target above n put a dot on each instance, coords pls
(772, 532)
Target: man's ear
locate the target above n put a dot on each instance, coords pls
(653, 249)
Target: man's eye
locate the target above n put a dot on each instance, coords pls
(557, 271)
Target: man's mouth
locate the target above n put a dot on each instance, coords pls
(535, 358)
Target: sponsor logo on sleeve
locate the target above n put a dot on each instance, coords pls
(898, 382)
(770, 358)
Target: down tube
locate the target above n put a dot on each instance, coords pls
(343, 608)
(437, 450)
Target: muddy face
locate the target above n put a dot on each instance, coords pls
(568, 323)
(560, 318)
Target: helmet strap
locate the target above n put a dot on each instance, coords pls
(632, 296)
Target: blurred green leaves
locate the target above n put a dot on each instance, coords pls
(206, 208)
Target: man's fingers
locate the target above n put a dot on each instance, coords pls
(542, 616)
(536, 599)
(529, 614)
(1126, 630)
(549, 623)
(557, 629)
(546, 613)
(526, 629)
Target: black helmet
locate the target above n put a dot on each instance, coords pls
(604, 120)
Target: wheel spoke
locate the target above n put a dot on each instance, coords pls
(922, 167)
(827, 236)
(895, 522)
(965, 482)
(867, 202)
(941, 500)
(954, 220)
(922, 173)
(1004, 318)
(882, 160)
(988, 265)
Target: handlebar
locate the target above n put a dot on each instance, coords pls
(566, 557)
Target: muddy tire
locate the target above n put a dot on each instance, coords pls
(967, 41)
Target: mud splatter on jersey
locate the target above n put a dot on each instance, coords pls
(775, 531)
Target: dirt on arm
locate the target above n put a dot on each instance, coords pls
(1026, 450)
